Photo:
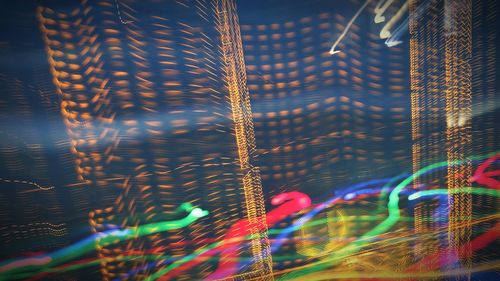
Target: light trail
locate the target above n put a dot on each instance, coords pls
(392, 218)
(395, 38)
(297, 224)
(39, 187)
(394, 275)
(486, 178)
(213, 248)
(100, 239)
(380, 10)
(478, 243)
(472, 190)
(120, 15)
(291, 203)
(380, 245)
(288, 207)
(332, 50)
(386, 30)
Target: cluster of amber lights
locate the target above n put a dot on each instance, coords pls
(109, 111)
(313, 110)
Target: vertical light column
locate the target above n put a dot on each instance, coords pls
(415, 88)
(236, 82)
(428, 115)
(458, 52)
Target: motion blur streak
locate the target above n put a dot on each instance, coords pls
(105, 238)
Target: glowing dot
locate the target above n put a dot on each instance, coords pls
(197, 212)
(305, 202)
(349, 196)
(413, 197)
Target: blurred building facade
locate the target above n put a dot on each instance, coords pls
(453, 84)
(156, 118)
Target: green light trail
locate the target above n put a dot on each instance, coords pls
(103, 239)
(211, 246)
(391, 220)
(471, 190)
(47, 263)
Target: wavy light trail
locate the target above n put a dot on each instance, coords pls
(100, 239)
(212, 249)
(292, 202)
(394, 215)
(393, 210)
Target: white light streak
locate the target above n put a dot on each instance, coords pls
(332, 50)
